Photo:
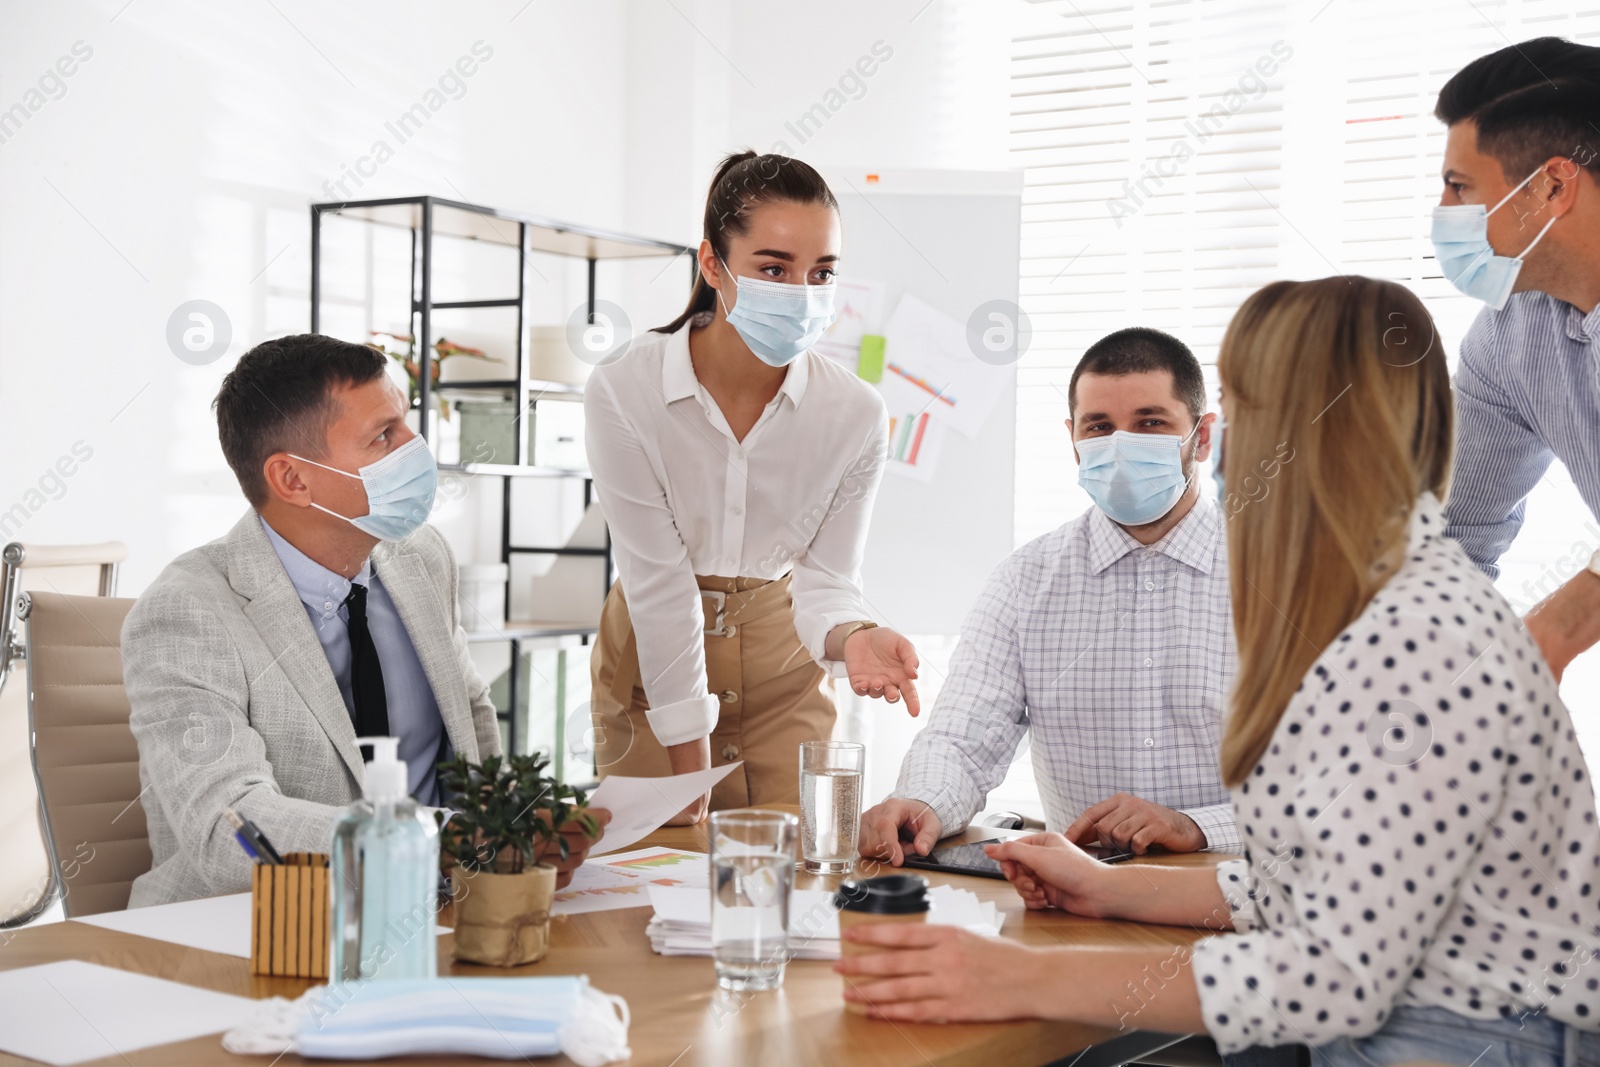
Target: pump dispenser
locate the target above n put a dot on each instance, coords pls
(385, 877)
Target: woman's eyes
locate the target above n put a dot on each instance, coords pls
(825, 275)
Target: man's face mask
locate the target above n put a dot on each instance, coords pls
(1461, 244)
(400, 489)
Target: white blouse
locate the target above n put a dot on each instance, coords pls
(684, 497)
(1421, 830)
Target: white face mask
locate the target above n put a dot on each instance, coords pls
(400, 489)
(779, 320)
(1135, 478)
(1461, 245)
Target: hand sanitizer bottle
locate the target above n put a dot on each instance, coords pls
(384, 878)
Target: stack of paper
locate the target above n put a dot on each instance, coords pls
(682, 922)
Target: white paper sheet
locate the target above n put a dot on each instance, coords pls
(71, 1011)
(641, 805)
(623, 880)
(928, 366)
(215, 924)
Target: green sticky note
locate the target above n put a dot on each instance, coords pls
(870, 368)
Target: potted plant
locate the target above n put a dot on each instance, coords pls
(443, 349)
(508, 817)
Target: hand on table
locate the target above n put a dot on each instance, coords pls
(1134, 825)
(882, 824)
(1049, 871)
(941, 974)
(882, 663)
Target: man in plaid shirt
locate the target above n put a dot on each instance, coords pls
(1109, 640)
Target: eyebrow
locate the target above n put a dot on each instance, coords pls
(788, 257)
(1452, 171)
(1096, 416)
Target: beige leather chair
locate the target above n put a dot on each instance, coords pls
(25, 872)
(84, 755)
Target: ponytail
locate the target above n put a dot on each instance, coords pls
(743, 180)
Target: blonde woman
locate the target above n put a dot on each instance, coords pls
(1420, 870)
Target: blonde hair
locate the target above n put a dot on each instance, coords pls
(1348, 375)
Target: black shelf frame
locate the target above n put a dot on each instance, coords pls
(430, 217)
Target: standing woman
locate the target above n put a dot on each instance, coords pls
(736, 469)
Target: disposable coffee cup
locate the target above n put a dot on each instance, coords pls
(893, 898)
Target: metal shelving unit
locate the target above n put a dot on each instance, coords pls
(430, 217)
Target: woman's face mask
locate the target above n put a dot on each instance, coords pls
(776, 319)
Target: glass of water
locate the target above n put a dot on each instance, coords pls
(830, 804)
(752, 873)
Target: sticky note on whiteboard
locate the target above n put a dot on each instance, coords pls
(870, 368)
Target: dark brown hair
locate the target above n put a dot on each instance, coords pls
(1530, 101)
(1139, 349)
(277, 398)
(742, 181)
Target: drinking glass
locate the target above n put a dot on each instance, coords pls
(830, 804)
(752, 873)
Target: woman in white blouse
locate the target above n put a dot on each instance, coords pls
(737, 469)
(1421, 868)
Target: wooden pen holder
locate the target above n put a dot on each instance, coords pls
(289, 916)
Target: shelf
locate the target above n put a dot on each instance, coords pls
(512, 470)
(500, 385)
(525, 629)
(451, 218)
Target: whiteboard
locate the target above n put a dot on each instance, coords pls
(953, 239)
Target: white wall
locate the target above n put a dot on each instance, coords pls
(177, 163)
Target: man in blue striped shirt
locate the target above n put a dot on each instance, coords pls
(1523, 147)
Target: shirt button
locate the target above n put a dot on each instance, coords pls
(738, 511)
(328, 606)
(730, 752)
(1148, 662)
(1149, 742)
(1149, 584)
(729, 696)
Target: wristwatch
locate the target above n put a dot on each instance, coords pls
(863, 625)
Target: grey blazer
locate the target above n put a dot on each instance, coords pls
(234, 704)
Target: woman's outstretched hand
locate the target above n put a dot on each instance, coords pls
(1051, 872)
(882, 663)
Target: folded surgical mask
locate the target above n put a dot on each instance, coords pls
(400, 489)
(779, 320)
(503, 1018)
(1461, 244)
(1135, 478)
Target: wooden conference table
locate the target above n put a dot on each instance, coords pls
(680, 1018)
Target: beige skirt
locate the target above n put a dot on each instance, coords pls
(773, 694)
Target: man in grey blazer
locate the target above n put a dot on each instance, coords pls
(252, 661)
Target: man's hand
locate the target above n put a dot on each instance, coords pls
(578, 840)
(1134, 825)
(883, 824)
(1567, 622)
(882, 663)
(686, 758)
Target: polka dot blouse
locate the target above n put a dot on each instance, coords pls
(1421, 830)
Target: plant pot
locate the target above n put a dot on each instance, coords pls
(503, 920)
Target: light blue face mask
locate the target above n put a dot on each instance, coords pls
(400, 489)
(779, 320)
(1135, 478)
(1461, 244)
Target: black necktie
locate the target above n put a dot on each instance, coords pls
(366, 673)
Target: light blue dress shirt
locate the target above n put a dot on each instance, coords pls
(413, 710)
(1527, 392)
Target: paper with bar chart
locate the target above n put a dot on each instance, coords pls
(623, 880)
(913, 445)
(929, 368)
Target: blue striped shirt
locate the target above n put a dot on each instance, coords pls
(1527, 391)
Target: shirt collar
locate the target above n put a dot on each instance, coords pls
(1581, 327)
(678, 380)
(1193, 542)
(320, 589)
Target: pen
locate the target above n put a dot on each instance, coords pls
(252, 838)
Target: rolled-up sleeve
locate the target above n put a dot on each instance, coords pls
(827, 575)
(653, 563)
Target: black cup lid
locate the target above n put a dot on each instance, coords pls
(892, 894)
